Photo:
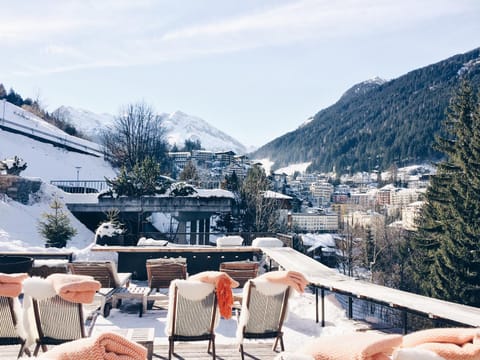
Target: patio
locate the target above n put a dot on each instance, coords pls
(298, 328)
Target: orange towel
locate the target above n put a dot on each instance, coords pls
(449, 343)
(223, 285)
(11, 284)
(356, 346)
(75, 288)
(106, 346)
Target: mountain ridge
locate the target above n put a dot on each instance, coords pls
(179, 126)
(394, 122)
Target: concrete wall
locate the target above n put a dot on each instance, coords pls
(18, 188)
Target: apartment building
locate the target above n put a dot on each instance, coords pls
(311, 222)
(321, 192)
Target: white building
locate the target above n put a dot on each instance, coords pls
(321, 192)
(410, 214)
(314, 222)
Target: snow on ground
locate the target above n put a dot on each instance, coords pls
(290, 169)
(299, 327)
(19, 223)
(48, 162)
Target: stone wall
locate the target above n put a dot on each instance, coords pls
(18, 188)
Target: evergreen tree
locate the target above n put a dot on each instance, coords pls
(3, 92)
(144, 179)
(56, 228)
(190, 145)
(447, 251)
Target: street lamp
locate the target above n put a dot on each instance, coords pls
(78, 171)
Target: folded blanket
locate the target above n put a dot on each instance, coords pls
(294, 279)
(11, 284)
(75, 288)
(106, 346)
(449, 343)
(356, 346)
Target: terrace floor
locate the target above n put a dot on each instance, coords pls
(187, 351)
(299, 327)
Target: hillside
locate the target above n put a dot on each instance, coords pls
(377, 123)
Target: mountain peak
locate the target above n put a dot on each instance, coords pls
(363, 87)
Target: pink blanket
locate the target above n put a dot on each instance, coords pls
(106, 346)
(11, 284)
(294, 279)
(356, 346)
(449, 343)
(75, 288)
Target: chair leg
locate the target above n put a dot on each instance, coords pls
(23, 349)
(241, 351)
(213, 349)
(282, 347)
(170, 349)
(37, 348)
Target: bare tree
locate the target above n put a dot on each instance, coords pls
(135, 134)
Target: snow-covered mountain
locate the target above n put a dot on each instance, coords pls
(85, 121)
(181, 126)
(178, 125)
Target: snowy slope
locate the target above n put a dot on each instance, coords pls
(48, 162)
(178, 125)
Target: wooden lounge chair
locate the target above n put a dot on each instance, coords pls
(192, 313)
(160, 272)
(263, 312)
(9, 325)
(241, 271)
(106, 273)
(59, 321)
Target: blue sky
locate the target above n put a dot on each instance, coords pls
(254, 69)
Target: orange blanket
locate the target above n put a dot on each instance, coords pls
(11, 284)
(75, 288)
(449, 343)
(106, 346)
(356, 346)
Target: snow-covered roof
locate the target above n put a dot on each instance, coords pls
(275, 195)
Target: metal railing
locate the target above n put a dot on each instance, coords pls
(81, 186)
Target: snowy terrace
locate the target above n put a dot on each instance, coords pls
(308, 316)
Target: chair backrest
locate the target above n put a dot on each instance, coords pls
(58, 320)
(160, 272)
(8, 325)
(241, 271)
(263, 313)
(44, 268)
(193, 310)
(103, 271)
